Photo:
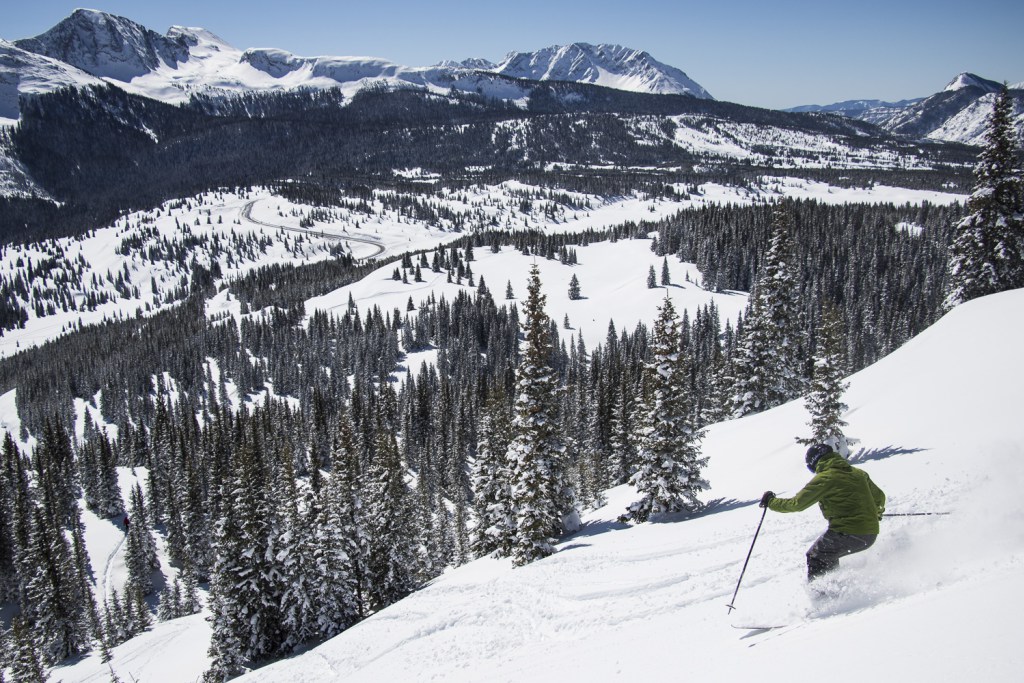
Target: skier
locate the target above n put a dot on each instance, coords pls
(848, 499)
(125, 523)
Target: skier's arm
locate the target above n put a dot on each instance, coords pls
(879, 497)
(805, 497)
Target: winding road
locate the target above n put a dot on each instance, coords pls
(246, 213)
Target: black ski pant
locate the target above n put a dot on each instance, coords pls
(823, 556)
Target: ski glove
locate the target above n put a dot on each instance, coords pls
(766, 498)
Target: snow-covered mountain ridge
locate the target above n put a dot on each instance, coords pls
(957, 113)
(170, 67)
(612, 66)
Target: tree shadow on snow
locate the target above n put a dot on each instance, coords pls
(713, 507)
(605, 525)
(598, 527)
(868, 454)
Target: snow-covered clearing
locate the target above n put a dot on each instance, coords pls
(612, 277)
(936, 598)
(139, 264)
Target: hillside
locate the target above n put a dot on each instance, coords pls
(629, 602)
(649, 601)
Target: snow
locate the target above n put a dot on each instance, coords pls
(909, 228)
(613, 282)
(970, 124)
(23, 72)
(936, 435)
(936, 598)
(611, 66)
(231, 219)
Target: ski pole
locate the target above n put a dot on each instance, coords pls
(749, 552)
(914, 514)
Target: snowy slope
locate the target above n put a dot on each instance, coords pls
(618, 602)
(24, 72)
(649, 601)
(612, 279)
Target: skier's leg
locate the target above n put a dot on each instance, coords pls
(823, 556)
(820, 559)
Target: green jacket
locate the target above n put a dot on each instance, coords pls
(848, 498)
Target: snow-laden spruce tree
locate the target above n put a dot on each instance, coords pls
(291, 549)
(668, 476)
(766, 367)
(987, 254)
(394, 560)
(541, 498)
(246, 618)
(490, 478)
(23, 658)
(55, 602)
(574, 288)
(140, 547)
(621, 446)
(824, 400)
(342, 544)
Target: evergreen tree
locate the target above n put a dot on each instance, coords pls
(25, 659)
(393, 560)
(542, 501)
(491, 478)
(622, 454)
(666, 278)
(9, 544)
(170, 602)
(987, 254)
(99, 477)
(767, 366)
(668, 477)
(55, 472)
(341, 546)
(56, 605)
(140, 547)
(291, 554)
(824, 401)
(115, 623)
(245, 619)
(574, 288)
(652, 279)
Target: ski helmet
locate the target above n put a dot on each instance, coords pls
(816, 453)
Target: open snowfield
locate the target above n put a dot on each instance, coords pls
(937, 598)
(612, 279)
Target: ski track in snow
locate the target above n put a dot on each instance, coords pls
(107, 569)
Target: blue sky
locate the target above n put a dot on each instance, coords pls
(768, 53)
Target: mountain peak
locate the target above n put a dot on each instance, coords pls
(969, 80)
(106, 45)
(477, 63)
(612, 66)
